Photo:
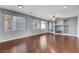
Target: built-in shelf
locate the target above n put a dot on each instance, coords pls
(61, 26)
(65, 25)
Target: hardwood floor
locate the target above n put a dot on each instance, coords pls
(44, 43)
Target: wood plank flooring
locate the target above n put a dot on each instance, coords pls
(44, 43)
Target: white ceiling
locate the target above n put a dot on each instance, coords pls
(45, 11)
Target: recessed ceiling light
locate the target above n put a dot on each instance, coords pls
(20, 6)
(64, 6)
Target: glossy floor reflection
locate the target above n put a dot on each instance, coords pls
(44, 43)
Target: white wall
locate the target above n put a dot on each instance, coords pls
(1, 22)
(29, 27)
(73, 25)
(78, 25)
(28, 30)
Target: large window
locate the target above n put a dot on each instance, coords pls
(7, 22)
(43, 25)
(36, 24)
(39, 24)
(21, 23)
(13, 23)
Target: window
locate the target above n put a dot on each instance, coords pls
(43, 25)
(7, 22)
(36, 24)
(13, 23)
(21, 23)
